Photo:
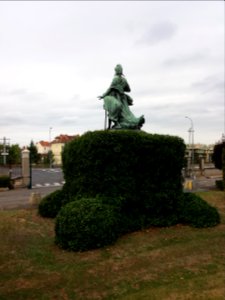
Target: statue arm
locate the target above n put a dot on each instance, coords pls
(105, 94)
(108, 91)
(117, 84)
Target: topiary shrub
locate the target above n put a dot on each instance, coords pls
(122, 181)
(134, 165)
(86, 224)
(196, 212)
(217, 156)
(51, 204)
(223, 167)
(5, 181)
(220, 184)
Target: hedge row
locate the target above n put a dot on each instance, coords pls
(121, 181)
(91, 223)
(143, 169)
(5, 182)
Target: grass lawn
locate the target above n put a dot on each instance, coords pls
(176, 262)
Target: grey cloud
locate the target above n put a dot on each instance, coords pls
(75, 97)
(13, 92)
(210, 84)
(70, 116)
(159, 32)
(185, 59)
(64, 48)
(11, 118)
(68, 121)
(23, 96)
(37, 97)
(162, 90)
(18, 92)
(172, 110)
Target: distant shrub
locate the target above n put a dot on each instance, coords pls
(223, 167)
(196, 212)
(86, 224)
(5, 181)
(217, 155)
(220, 185)
(51, 204)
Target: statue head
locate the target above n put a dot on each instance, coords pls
(119, 70)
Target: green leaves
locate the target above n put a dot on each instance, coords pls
(122, 163)
(196, 212)
(121, 181)
(51, 204)
(86, 224)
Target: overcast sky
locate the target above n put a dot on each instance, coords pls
(56, 57)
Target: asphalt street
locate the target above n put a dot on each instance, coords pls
(47, 177)
(41, 177)
(44, 181)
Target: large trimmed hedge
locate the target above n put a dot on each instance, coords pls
(121, 181)
(145, 169)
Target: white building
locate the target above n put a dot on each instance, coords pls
(57, 146)
(43, 147)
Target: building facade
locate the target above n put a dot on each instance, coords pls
(57, 146)
(43, 147)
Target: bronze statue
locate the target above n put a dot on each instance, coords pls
(117, 102)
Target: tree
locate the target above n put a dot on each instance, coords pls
(14, 156)
(34, 155)
(223, 166)
(49, 158)
(217, 155)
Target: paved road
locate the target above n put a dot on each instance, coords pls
(44, 181)
(19, 198)
(47, 177)
(205, 184)
(41, 177)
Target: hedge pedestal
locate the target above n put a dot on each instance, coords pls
(122, 181)
(143, 169)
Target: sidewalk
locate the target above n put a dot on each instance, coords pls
(19, 197)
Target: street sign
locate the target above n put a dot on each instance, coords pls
(4, 153)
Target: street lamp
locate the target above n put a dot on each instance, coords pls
(191, 143)
(50, 155)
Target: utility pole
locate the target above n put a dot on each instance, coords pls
(5, 151)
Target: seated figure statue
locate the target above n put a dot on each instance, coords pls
(117, 103)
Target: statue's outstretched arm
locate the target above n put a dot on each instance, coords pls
(105, 94)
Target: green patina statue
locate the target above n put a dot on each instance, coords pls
(116, 104)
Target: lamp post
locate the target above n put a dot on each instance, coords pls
(191, 144)
(50, 155)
